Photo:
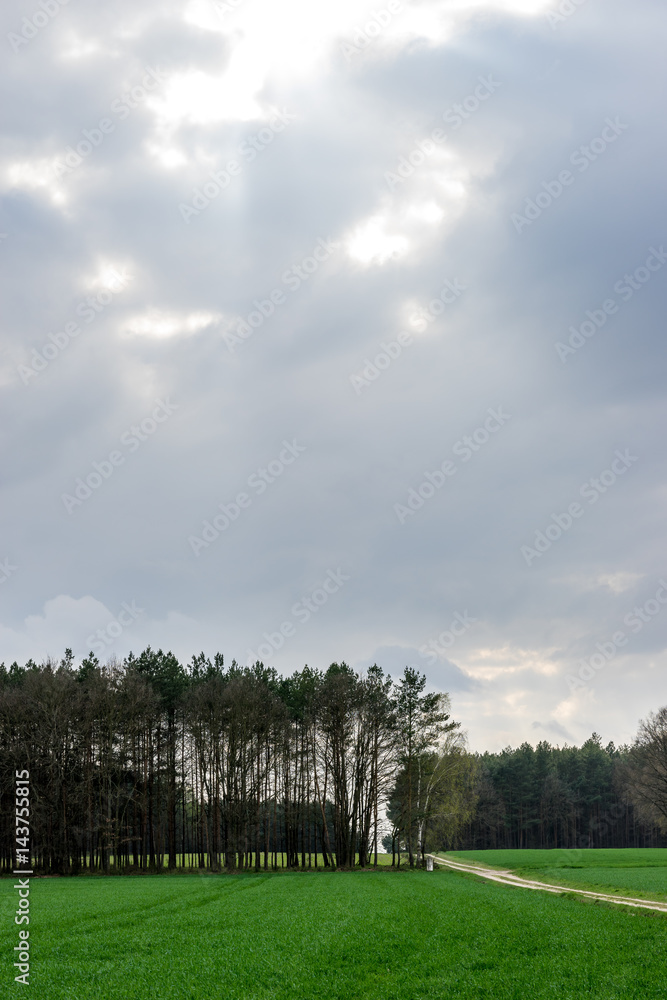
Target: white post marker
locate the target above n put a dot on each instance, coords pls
(429, 864)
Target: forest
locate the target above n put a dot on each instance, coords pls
(150, 765)
(570, 797)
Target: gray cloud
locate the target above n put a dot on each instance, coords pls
(321, 178)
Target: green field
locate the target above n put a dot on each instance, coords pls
(636, 872)
(319, 936)
(191, 865)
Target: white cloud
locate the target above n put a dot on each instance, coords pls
(160, 323)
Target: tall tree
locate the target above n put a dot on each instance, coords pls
(422, 723)
(169, 681)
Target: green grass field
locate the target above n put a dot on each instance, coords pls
(312, 861)
(638, 872)
(319, 936)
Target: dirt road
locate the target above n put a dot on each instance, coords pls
(508, 878)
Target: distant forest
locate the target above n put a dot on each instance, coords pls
(558, 797)
(147, 765)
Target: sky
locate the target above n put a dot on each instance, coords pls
(335, 332)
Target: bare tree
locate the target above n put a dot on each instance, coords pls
(644, 777)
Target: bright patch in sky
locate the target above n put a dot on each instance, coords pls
(80, 48)
(372, 244)
(426, 211)
(294, 39)
(168, 155)
(202, 99)
(161, 324)
(109, 275)
(33, 174)
(507, 660)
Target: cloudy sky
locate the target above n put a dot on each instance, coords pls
(334, 331)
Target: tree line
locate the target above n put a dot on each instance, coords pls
(573, 797)
(148, 764)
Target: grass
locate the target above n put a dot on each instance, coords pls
(649, 857)
(192, 864)
(327, 936)
(634, 872)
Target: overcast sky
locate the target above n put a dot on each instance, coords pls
(335, 331)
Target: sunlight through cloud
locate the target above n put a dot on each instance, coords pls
(161, 324)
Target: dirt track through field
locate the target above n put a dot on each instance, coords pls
(507, 878)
